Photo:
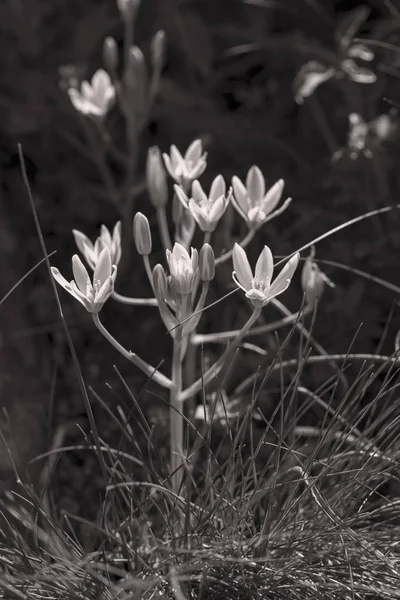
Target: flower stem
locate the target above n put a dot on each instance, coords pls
(134, 301)
(147, 369)
(176, 418)
(223, 365)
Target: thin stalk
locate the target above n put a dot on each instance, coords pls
(147, 267)
(224, 362)
(222, 336)
(147, 369)
(163, 228)
(176, 417)
(134, 301)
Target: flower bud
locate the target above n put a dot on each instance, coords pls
(156, 178)
(313, 281)
(142, 234)
(110, 54)
(128, 9)
(159, 281)
(206, 263)
(158, 50)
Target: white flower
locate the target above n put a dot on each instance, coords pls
(259, 288)
(92, 294)
(94, 99)
(206, 210)
(311, 76)
(253, 203)
(185, 169)
(183, 268)
(91, 252)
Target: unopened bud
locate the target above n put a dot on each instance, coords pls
(158, 50)
(313, 281)
(110, 54)
(159, 281)
(206, 263)
(142, 234)
(135, 71)
(128, 9)
(156, 178)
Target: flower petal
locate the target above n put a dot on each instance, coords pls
(103, 267)
(272, 197)
(198, 194)
(240, 195)
(284, 278)
(180, 194)
(218, 188)
(265, 265)
(242, 267)
(81, 275)
(194, 152)
(255, 184)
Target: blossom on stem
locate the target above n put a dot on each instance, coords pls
(206, 210)
(183, 268)
(91, 252)
(94, 99)
(92, 294)
(253, 203)
(185, 169)
(259, 288)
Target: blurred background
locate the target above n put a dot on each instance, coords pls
(240, 75)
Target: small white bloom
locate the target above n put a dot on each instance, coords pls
(92, 294)
(206, 210)
(259, 288)
(94, 99)
(311, 76)
(91, 252)
(183, 268)
(252, 201)
(185, 169)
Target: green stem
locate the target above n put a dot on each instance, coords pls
(134, 301)
(147, 369)
(176, 418)
(163, 228)
(223, 363)
(147, 267)
(245, 242)
(222, 336)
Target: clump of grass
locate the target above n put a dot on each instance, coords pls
(318, 517)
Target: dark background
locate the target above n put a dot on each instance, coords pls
(228, 79)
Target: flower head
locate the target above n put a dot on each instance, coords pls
(185, 169)
(206, 210)
(183, 268)
(92, 294)
(252, 201)
(91, 252)
(94, 99)
(259, 288)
